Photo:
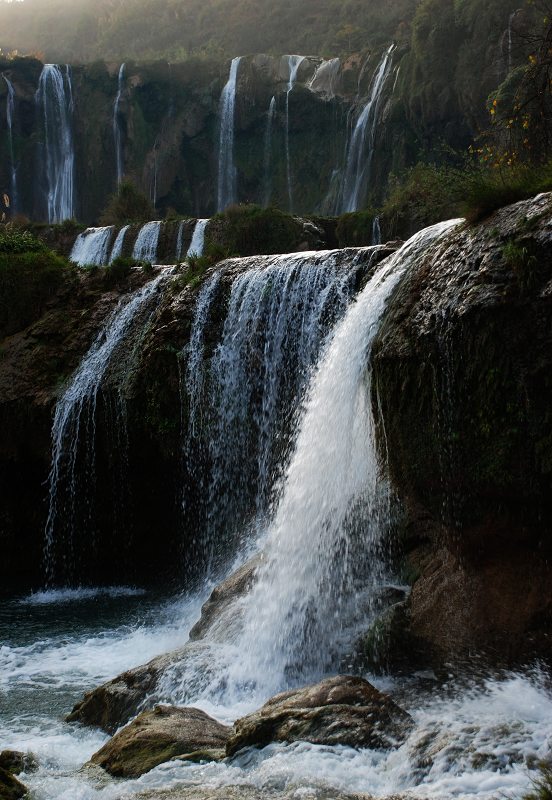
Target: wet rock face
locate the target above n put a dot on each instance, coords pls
(462, 367)
(341, 710)
(10, 787)
(157, 736)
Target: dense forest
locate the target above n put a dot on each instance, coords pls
(175, 30)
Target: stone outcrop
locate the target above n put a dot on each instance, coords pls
(341, 710)
(463, 368)
(157, 736)
(10, 787)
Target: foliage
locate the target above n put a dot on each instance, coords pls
(426, 193)
(120, 269)
(174, 31)
(15, 240)
(28, 280)
(542, 786)
(128, 205)
(356, 229)
(251, 230)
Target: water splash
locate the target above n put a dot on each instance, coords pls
(72, 473)
(117, 132)
(54, 100)
(145, 246)
(360, 151)
(227, 175)
(10, 116)
(92, 247)
(293, 63)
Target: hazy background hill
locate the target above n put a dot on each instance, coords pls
(86, 30)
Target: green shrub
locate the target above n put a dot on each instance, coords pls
(15, 240)
(542, 786)
(120, 269)
(128, 205)
(251, 230)
(28, 280)
(356, 229)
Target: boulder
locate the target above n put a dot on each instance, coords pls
(341, 710)
(157, 736)
(10, 787)
(115, 702)
(15, 762)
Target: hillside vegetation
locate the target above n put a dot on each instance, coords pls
(177, 29)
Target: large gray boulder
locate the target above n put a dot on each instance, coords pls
(340, 710)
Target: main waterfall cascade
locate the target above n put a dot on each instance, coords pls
(227, 177)
(117, 133)
(54, 100)
(72, 503)
(324, 513)
(360, 150)
(279, 312)
(10, 115)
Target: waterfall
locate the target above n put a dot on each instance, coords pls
(179, 240)
(361, 146)
(72, 473)
(294, 62)
(92, 247)
(324, 547)
(325, 80)
(54, 100)
(227, 176)
(197, 244)
(279, 312)
(145, 247)
(10, 115)
(376, 231)
(267, 163)
(117, 133)
(118, 244)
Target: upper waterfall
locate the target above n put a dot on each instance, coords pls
(54, 100)
(360, 150)
(117, 133)
(10, 114)
(294, 62)
(227, 176)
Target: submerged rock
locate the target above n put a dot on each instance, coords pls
(341, 710)
(157, 736)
